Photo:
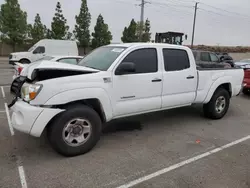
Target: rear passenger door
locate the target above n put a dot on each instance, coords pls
(141, 90)
(179, 79)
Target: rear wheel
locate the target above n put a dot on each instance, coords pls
(246, 91)
(76, 131)
(218, 105)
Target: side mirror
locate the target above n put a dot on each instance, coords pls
(125, 68)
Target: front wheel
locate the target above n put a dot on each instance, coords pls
(218, 105)
(76, 131)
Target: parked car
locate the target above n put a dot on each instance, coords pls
(18, 67)
(207, 59)
(243, 63)
(45, 47)
(72, 102)
(246, 82)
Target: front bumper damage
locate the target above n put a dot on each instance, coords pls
(28, 118)
(31, 119)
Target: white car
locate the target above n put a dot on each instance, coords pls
(18, 67)
(245, 63)
(72, 102)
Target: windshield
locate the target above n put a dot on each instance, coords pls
(102, 58)
(32, 48)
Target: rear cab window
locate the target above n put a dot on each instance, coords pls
(175, 59)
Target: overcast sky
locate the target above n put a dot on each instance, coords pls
(230, 26)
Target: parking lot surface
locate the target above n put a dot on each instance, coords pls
(131, 149)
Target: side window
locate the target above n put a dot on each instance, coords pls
(145, 60)
(175, 60)
(205, 56)
(39, 50)
(69, 61)
(214, 58)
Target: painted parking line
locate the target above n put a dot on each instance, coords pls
(8, 118)
(5, 86)
(2, 111)
(19, 161)
(3, 93)
(178, 165)
(21, 173)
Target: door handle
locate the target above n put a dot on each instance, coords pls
(190, 77)
(156, 80)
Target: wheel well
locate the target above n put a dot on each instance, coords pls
(94, 103)
(24, 59)
(227, 87)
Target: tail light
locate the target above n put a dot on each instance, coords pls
(19, 70)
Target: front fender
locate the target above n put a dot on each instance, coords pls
(81, 94)
(216, 84)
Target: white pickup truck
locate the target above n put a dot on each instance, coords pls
(72, 102)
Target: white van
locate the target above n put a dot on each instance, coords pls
(45, 47)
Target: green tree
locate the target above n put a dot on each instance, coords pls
(38, 30)
(102, 36)
(146, 35)
(59, 24)
(69, 36)
(49, 34)
(13, 23)
(130, 33)
(81, 31)
(29, 28)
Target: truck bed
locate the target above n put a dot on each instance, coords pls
(209, 78)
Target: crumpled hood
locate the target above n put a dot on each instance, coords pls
(50, 65)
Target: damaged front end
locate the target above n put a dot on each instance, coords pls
(18, 86)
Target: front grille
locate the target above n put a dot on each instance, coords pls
(10, 56)
(17, 85)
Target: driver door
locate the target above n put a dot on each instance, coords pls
(139, 91)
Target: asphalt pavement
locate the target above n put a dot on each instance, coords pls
(176, 148)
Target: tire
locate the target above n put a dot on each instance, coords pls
(246, 91)
(24, 61)
(210, 109)
(58, 136)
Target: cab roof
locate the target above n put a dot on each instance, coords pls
(128, 45)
